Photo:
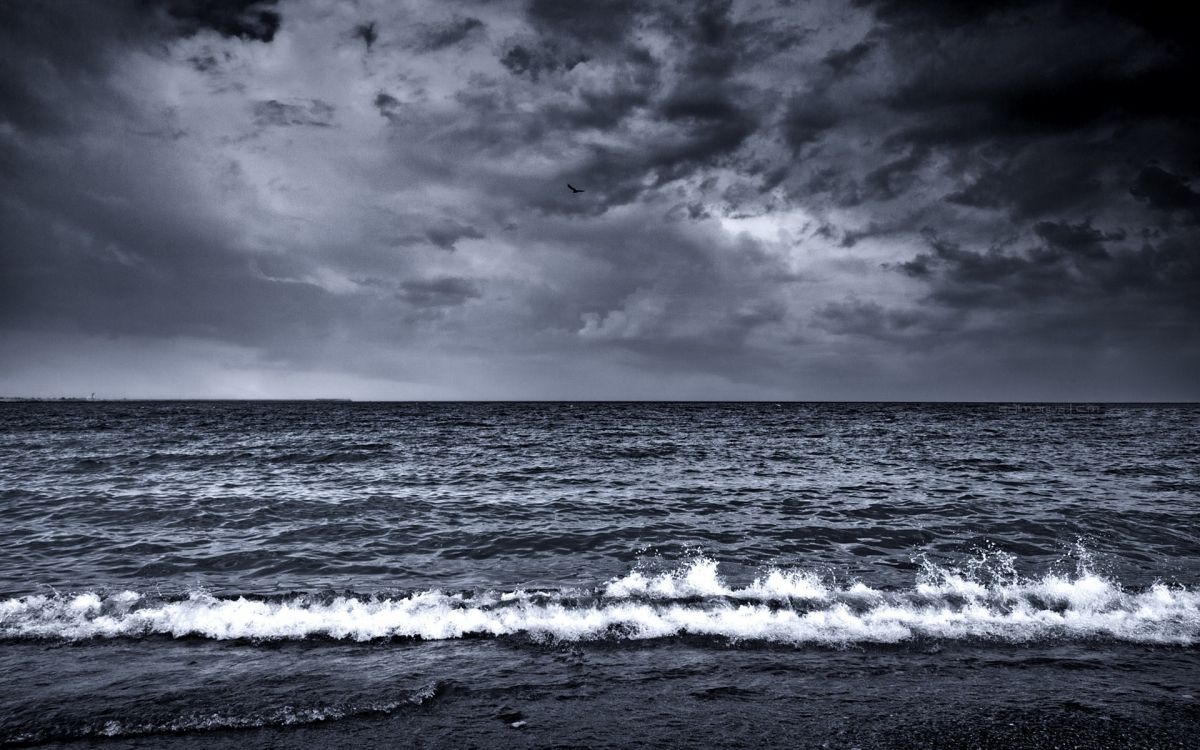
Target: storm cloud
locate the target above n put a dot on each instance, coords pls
(829, 200)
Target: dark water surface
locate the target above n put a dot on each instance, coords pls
(793, 575)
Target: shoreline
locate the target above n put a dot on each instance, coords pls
(725, 720)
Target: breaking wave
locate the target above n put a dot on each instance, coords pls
(780, 606)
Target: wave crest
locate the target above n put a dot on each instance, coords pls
(780, 606)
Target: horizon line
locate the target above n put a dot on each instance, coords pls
(187, 399)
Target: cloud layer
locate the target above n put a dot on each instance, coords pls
(830, 200)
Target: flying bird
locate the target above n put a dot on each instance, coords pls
(574, 189)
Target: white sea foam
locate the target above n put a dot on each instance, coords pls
(780, 606)
(700, 578)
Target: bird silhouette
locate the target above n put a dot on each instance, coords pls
(575, 189)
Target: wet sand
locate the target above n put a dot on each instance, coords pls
(653, 717)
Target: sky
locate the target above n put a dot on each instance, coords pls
(867, 200)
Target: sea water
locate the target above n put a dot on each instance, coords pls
(598, 574)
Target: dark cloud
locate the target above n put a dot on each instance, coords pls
(54, 58)
(858, 318)
(312, 112)
(162, 272)
(782, 200)
(450, 33)
(927, 13)
(807, 118)
(1166, 191)
(367, 33)
(445, 291)
(843, 61)
(894, 177)
(1040, 117)
(534, 61)
(204, 63)
(245, 19)
(1035, 109)
(1076, 239)
(388, 106)
(1040, 179)
(446, 234)
(598, 22)
(1072, 274)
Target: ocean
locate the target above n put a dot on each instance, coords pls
(267, 574)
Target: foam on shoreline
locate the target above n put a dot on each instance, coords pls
(780, 606)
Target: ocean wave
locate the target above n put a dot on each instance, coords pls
(780, 606)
